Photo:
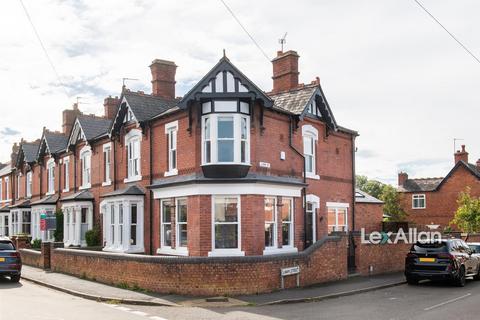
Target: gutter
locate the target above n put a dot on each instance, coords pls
(304, 189)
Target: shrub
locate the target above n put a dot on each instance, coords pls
(58, 233)
(93, 237)
(36, 244)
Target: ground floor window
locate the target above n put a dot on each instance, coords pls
(270, 222)
(287, 222)
(337, 218)
(46, 213)
(174, 227)
(123, 224)
(4, 230)
(20, 221)
(78, 219)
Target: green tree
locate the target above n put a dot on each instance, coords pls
(467, 216)
(391, 207)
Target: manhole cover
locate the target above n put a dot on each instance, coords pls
(217, 299)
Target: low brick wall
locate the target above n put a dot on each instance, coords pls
(325, 261)
(31, 257)
(380, 258)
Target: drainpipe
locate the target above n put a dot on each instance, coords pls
(114, 140)
(74, 171)
(151, 182)
(304, 189)
(354, 182)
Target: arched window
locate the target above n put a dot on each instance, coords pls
(86, 163)
(51, 176)
(310, 138)
(132, 142)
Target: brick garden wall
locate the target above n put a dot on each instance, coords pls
(31, 257)
(322, 262)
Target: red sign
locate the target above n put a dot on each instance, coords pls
(43, 224)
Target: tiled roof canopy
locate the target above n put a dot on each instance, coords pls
(363, 197)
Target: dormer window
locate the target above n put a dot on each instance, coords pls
(132, 141)
(225, 133)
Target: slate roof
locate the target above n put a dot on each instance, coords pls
(133, 190)
(56, 141)
(294, 101)
(83, 195)
(21, 204)
(30, 151)
(52, 199)
(7, 168)
(363, 197)
(145, 106)
(422, 184)
(5, 208)
(94, 127)
(200, 178)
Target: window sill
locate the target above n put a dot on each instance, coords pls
(226, 253)
(123, 250)
(419, 208)
(170, 173)
(50, 193)
(283, 250)
(106, 183)
(312, 176)
(88, 186)
(173, 252)
(66, 190)
(132, 179)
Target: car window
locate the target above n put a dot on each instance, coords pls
(454, 246)
(430, 247)
(475, 248)
(6, 245)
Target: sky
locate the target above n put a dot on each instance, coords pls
(387, 70)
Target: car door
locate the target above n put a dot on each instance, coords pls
(470, 264)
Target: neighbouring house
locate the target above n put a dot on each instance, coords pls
(433, 201)
(225, 170)
(368, 212)
(5, 197)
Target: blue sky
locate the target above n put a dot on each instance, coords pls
(387, 70)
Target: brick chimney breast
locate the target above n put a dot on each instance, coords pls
(163, 78)
(110, 105)
(478, 164)
(69, 116)
(285, 71)
(402, 178)
(461, 155)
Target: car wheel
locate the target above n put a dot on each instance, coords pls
(412, 281)
(460, 281)
(15, 278)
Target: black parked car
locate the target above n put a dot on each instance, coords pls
(449, 259)
(10, 261)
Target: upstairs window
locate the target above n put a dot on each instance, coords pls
(106, 163)
(51, 176)
(310, 137)
(1, 189)
(418, 201)
(225, 132)
(29, 184)
(7, 188)
(133, 139)
(171, 130)
(85, 160)
(18, 187)
(66, 174)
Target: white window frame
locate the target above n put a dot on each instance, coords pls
(310, 133)
(274, 246)
(107, 165)
(1, 190)
(237, 138)
(336, 206)
(86, 167)
(232, 251)
(7, 189)
(291, 223)
(419, 197)
(178, 247)
(171, 131)
(112, 242)
(163, 224)
(18, 186)
(29, 184)
(66, 179)
(72, 223)
(132, 137)
(50, 176)
(315, 201)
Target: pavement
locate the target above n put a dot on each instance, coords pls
(101, 292)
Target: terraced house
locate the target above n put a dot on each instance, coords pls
(225, 170)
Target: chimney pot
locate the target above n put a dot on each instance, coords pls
(461, 155)
(402, 178)
(163, 78)
(285, 71)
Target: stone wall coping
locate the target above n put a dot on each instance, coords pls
(196, 260)
(31, 251)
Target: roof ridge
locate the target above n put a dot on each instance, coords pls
(300, 86)
(428, 178)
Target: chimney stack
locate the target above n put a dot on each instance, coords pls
(14, 154)
(110, 106)
(478, 164)
(461, 155)
(402, 178)
(285, 71)
(69, 116)
(163, 78)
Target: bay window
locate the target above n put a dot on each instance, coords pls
(270, 222)
(226, 239)
(78, 219)
(173, 213)
(181, 223)
(287, 222)
(225, 132)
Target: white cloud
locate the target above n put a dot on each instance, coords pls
(388, 71)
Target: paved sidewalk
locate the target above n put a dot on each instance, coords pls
(100, 292)
(92, 290)
(352, 285)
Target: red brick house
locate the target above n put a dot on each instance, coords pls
(433, 201)
(368, 212)
(227, 169)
